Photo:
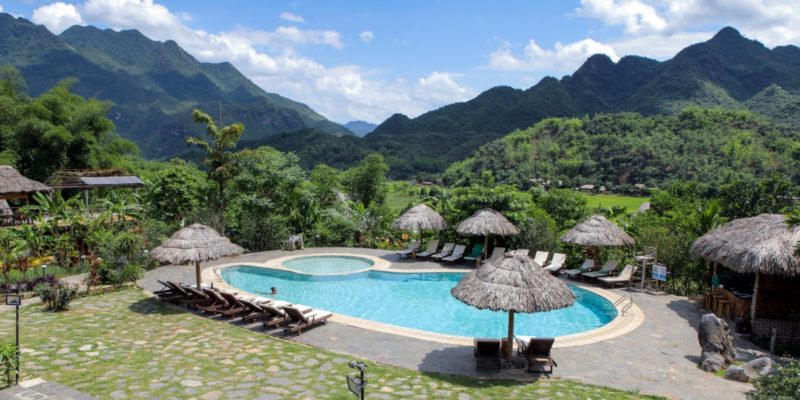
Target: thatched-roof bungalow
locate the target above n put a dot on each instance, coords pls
(15, 186)
(759, 255)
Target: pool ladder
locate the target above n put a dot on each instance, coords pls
(624, 304)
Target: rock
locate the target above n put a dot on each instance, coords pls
(716, 343)
(735, 373)
(758, 367)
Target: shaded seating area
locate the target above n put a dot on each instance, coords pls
(537, 351)
(15, 187)
(487, 354)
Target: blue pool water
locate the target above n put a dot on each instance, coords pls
(316, 265)
(419, 301)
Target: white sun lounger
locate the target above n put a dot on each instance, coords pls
(556, 263)
(458, 253)
(431, 250)
(446, 251)
(412, 247)
(541, 258)
(606, 269)
(496, 253)
(587, 266)
(623, 277)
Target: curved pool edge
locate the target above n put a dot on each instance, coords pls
(622, 324)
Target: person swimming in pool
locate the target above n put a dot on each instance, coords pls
(274, 290)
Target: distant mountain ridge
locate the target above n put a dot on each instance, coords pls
(360, 128)
(727, 71)
(153, 85)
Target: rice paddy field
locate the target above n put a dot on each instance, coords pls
(630, 203)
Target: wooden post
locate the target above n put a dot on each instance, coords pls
(197, 272)
(510, 344)
(753, 300)
(486, 247)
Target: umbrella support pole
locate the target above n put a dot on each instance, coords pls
(510, 344)
(486, 247)
(197, 273)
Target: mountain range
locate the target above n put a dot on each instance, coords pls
(360, 128)
(153, 85)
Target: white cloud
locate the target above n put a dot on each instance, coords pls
(366, 36)
(1, 8)
(287, 16)
(635, 15)
(563, 57)
(270, 59)
(57, 16)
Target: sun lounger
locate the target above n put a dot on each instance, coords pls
(496, 254)
(556, 263)
(487, 353)
(300, 320)
(216, 305)
(412, 247)
(587, 266)
(165, 291)
(606, 269)
(255, 312)
(236, 306)
(446, 251)
(522, 343)
(431, 250)
(541, 258)
(458, 253)
(196, 298)
(623, 277)
(476, 254)
(537, 352)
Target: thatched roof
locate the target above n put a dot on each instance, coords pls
(487, 222)
(12, 183)
(764, 244)
(420, 217)
(513, 282)
(597, 231)
(195, 243)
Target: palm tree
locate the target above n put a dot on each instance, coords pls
(221, 163)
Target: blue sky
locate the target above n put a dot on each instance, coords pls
(369, 59)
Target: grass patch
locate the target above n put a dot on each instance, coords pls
(125, 345)
(630, 203)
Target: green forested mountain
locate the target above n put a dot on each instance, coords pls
(709, 145)
(727, 71)
(153, 85)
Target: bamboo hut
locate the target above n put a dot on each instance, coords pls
(597, 231)
(195, 244)
(512, 283)
(420, 218)
(485, 222)
(15, 186)
(760, 252)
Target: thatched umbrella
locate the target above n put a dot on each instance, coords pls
(419, 218)
(195, 244)
(513, 283)
(597, 231)
(762, 244)
(15, 186)
(485, 222)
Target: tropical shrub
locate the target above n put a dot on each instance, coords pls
(8, 358)
(56, 297)
(783, 384)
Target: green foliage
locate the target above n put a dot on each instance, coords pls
(366, 182)
(748, 198)
(8, 358)
(326, 182)
(177, 191)
(537, 232)
(56, 297)
(783, 384)
(567, 207)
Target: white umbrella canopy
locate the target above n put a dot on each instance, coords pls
(485, 222)
(194, 244)
(513, 283)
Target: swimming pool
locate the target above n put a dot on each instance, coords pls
(327, 264)
(418, 301)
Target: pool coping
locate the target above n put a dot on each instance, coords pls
(625, 321)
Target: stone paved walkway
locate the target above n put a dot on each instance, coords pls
(37, 389)
(659, 357)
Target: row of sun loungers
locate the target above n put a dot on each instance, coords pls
(272, 313)
(536, 350)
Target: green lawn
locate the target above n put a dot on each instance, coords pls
(630, 203)
(126, 345)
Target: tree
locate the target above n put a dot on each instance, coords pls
(176, 192)
(366, 182)
(221, 163)
(326, 184)
(566, 206)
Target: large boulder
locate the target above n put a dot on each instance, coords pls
(749, 370)
(716, 343)
(735, 373)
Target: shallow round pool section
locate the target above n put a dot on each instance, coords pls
(413, 300)
(327, 264)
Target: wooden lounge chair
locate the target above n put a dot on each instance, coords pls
(255, 312)
(431, 250)
(300, 321)
(587, 266)
(606, 269)
(458, 253)
(537, 352)
(541, 258)
(556, 263)
(487, 354)
(446, 251)
(216, 304)
(476, 254)
(623, 277)
(496, 254)
(165, 291)
(196, 298)
(236, 306)
(412, 247)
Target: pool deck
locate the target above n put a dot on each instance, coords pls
(658, 356)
